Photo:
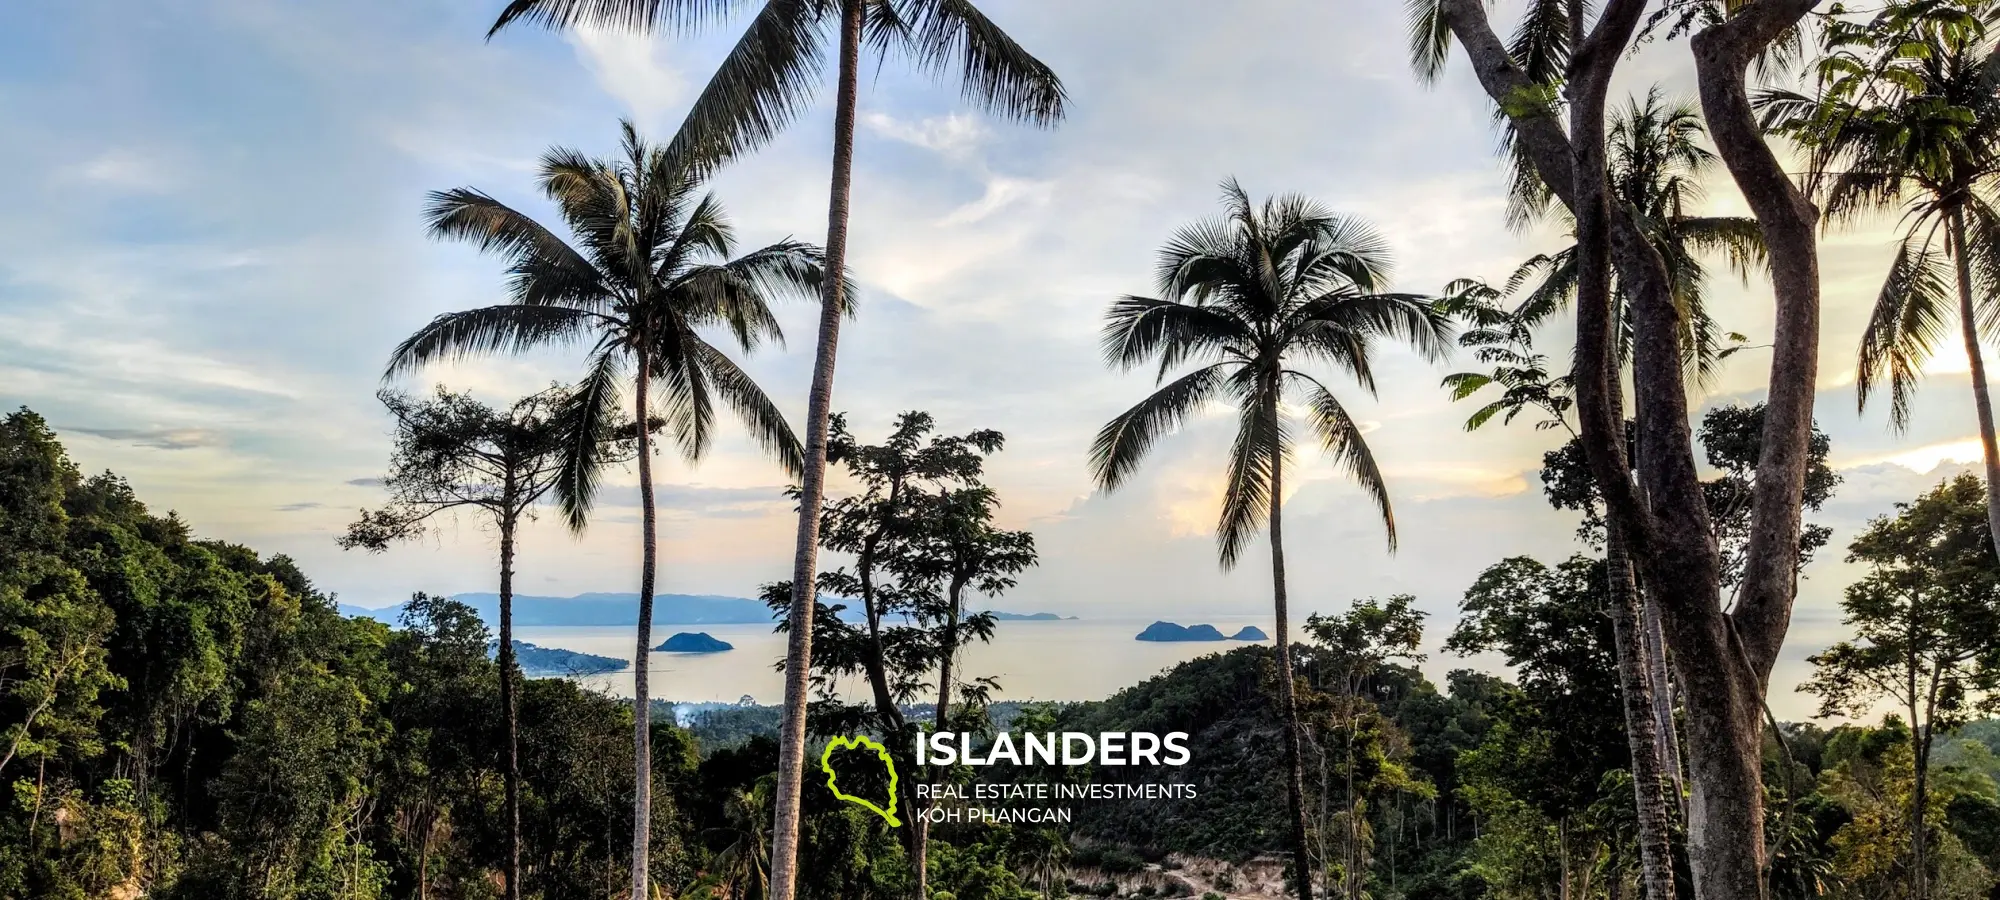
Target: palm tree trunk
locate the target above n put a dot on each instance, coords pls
(1982, 399)
(1649, 783)
(509, 711)
(1665, 728)
(1288, 697)
(642, 725)
(819, 404)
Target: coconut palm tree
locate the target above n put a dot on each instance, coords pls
(647, 271)
(1658, 163)
(767, 80)
(743, 866)
(1248, 298)
(1907, 118)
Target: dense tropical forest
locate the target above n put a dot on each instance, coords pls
(185, 717)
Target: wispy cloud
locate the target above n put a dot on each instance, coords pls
(154, 438)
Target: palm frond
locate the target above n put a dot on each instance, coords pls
(583, 425)
(1411, 318)
(768, 79)
(766, 423)
(1341, 436)
(687, 406)
(1261, 447)
(1737, 239)
(1911, 315)
(546, 269)
(705, 232)
(1430, 39)
(1126, 439)
(491, 329)
(622, 15)
(1982, 228)
(1139, 329)
(737, 294)
(995, 72)
(1340, 251)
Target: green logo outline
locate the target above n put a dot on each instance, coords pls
(826, 765)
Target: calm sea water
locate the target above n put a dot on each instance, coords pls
(1084, 659)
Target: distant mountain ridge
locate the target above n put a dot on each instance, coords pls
(601, 609)
(609, 609)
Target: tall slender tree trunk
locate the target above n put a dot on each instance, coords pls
(917, 836)
(805, 560)
(1982, 398)
(642, 716)
(509, 706)
(1649, 783)
(953, 597)
(1353, 866)
(1288, 697)
(1665, 728)
(1919, 795)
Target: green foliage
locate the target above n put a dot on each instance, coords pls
(1249, 298)
(1904, 117)
(1926, 616)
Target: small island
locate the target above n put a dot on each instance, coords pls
(1030, 617)
(555, 662)
(1166, 632)
(1250, 633)
(697, 642)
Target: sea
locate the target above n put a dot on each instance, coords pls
(1070, 659)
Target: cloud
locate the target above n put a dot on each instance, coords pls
(634, 69)
(241, 310)
(300, 507)
(125, 169)
(953, 136)
(367, 482)
(154, 438)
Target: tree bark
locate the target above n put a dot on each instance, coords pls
(1723, 659)
(917, 835)
(1649, 782)
(953, 597)
(1668, 731)
(798, 652)
(509, 708)
(1919, 763)
(1726, 833)
(1982, 399)
(1288, 697)
(642, 716)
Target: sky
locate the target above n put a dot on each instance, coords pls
(211, 240)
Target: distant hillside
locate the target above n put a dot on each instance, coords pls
(555, 662)
(605, 609)
(601, 609)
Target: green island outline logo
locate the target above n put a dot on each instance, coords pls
(826, 765)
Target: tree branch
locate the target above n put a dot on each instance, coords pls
(1722, 55)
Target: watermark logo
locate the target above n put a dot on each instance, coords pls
(826, 765)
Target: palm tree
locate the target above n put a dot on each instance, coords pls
(647, 272)
(1658, 164)
(767, 80)
(743, 867)
(1907, 118)
(1248, 297)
